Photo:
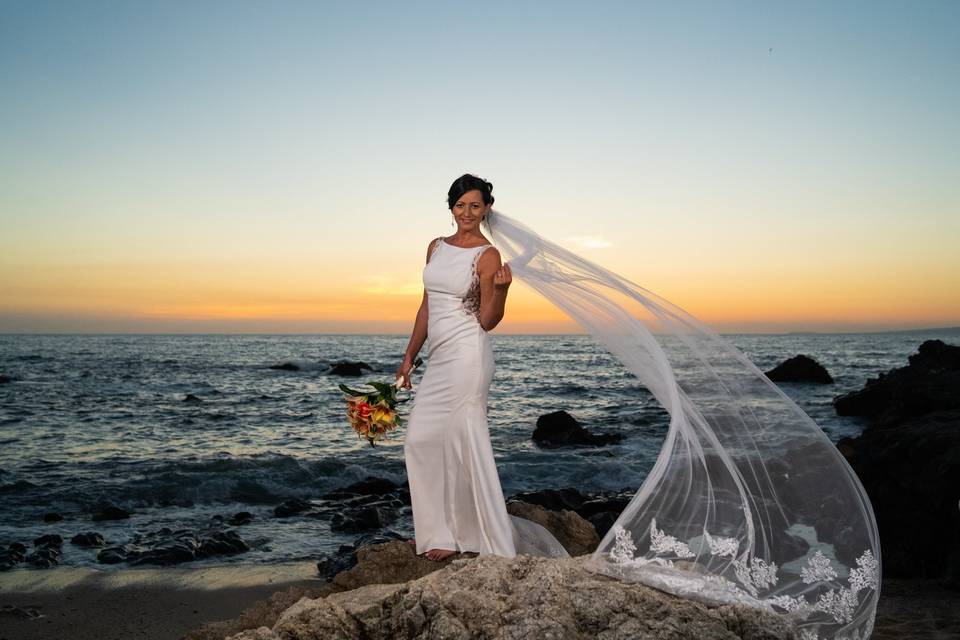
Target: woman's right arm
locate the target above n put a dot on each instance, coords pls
(417, 337)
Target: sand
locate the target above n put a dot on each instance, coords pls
(164, 603)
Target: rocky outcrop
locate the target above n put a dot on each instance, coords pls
(348, 368)
(800, 368)
(560, 429)
(600, 509)
(576, 535)
(908, 460)
(514, 598)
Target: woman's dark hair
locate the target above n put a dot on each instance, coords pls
(469, 182)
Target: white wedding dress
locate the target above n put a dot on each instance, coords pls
(455, 491)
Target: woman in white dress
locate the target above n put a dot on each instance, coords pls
(457, 500)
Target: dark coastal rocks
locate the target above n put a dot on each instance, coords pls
(291, 508)
(364, 518)
(286, 366)
(560, 429)
(908, 460)
(369, 486)
(192, 398)
(111, 512)
(240, 518)
(88, 539)
(348, 368)
(496, 597)
(13, 555)
(168, 547)
(930, 382)
(52, 517)
(46, 551)
(5, 379)
(800, 368)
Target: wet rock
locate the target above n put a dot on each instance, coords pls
(111, 512)
(88, 539)
(366, 518)
(5, 379)
(117, 554)
(192, 398)
(286, 366)
(13, 555)
(13, 611)
(221, 543)
(560, 429)
(601, 509)
(800, 368)
(241, 518)
(46, 552)
(52, 517)
(369, 486)
(291, 508)
(348, 368)
(50, 539)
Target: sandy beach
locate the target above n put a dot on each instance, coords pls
(158, 604)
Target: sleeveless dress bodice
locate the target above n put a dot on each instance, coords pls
(453, 295)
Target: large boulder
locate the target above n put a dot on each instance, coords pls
(560, 429)
(800, 368)
(514, 598)
(908, 460)
(576, 535)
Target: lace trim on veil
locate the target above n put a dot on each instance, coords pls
(748, 501)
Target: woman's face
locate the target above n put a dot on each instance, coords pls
(469, 209)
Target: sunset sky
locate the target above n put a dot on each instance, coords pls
(281, 167)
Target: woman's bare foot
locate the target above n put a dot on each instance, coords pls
(439, 554)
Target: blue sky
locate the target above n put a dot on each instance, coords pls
(764, 165)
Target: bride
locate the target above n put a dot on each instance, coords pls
(748, 502)
(455, 492)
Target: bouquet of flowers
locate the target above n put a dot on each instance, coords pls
(373, 413)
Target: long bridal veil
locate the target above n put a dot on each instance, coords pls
(749, 501)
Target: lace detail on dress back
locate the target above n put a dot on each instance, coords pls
(471, 299)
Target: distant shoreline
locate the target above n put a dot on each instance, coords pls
(928, 330)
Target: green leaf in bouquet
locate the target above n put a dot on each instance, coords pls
(352, 392)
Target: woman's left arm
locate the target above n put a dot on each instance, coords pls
(495, 280)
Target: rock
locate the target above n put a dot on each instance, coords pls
(5, 379)
(291, 507)
(111, 512)
(221, 543)
(930, 382)
(364, 518)
(560, 429)
(192, 398)
(348, 368)
(601, 509)
(576, 535)
(241, 518)
(514, 598)
(908, 460)
(52, 517)
(51, 539)
(286, 366)
(88, 539)
(13, 555)
(387, 563)
(369, 486)
(800, 368)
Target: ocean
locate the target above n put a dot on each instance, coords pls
(95, 419)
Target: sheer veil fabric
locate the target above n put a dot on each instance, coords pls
(748, 501)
